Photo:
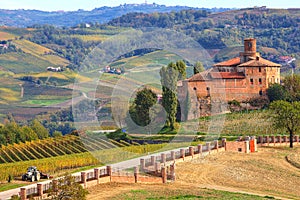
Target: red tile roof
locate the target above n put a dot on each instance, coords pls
(203, 76)
(259, 62)
(232, 62)
(227, 75)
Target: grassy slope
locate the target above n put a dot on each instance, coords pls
(242, 124)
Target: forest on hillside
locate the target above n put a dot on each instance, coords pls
(276, 29)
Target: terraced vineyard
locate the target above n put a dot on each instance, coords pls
(52, 147)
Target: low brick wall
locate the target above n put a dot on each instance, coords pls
(160, 169)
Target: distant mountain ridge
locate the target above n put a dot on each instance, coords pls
(25, 18)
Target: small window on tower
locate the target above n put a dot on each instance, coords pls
(259, 69)
(251, 81)
(260, 81)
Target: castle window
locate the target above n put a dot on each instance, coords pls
(260, 81)
(259, 69)
(260, 92)
(251, 81)
(195, 88)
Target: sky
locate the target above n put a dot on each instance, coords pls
(71, 5)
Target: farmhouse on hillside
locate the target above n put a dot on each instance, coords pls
(241, 78)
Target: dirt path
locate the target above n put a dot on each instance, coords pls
(265, 173)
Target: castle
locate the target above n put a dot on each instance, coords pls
(241, 78)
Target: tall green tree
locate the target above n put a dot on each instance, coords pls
(286, 115)
(28, 134)
(181, 67)
(198, 67)
(169, 77)
(277, 92)
(39, 129)
(144, 100)
(292, 85)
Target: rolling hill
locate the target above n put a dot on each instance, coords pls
(25, 18)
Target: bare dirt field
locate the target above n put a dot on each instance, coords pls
(265, 173)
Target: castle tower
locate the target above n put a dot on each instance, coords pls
(249, 50)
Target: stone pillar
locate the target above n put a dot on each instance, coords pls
(297, 139)
(40, 189)
(285, 139)
(191, 151)
(217, 145)
(109, 172)
(255, 145)
(164, 174)
(172, 172)
(279, 139)
(267, 138)
(247, 147)
(163, 158)
(223, 142)
(54, 185)
(208, 146)
(136, 174)
(83, 179)
(173, 156)
(156, 167)
(142, 163)
(97, 174)
(261, 140)
(182, 153)
(23, 194)
(152, 160)
(273, 139)
(200, 149)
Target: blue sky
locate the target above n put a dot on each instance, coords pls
(53, 5)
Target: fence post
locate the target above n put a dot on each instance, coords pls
(191, 151)
(267, 138)
(273, 139)
(297, 139)
(285, 139)
(40, 189)
(109, 172)
(97, 174)
(23, 194)
(223, 142)
(136, 174)
(217, 145)
(172, 172)
(173, 156)
(142, 163)
(261, 140)
(83, 179)
(200, 150)
(152, 160)
(163, 158)
(164, 174)
(279, 139)
(156, 167)
(208, 147)
(182, 153)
